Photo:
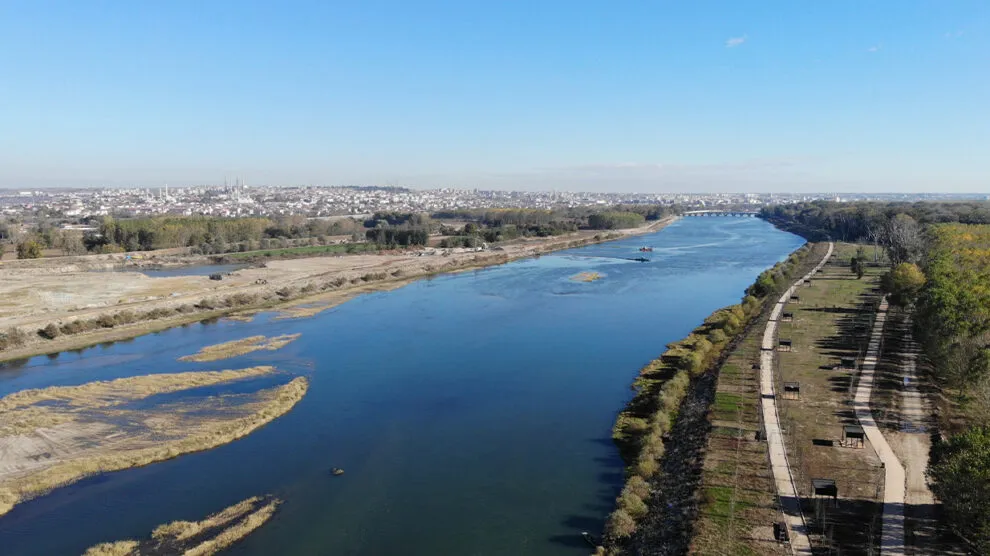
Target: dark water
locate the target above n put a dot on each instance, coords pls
(471, 413)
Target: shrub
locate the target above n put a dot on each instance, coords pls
(105, 321)
(638, 486)
(243, 299)
(632, 504)
(620, 524)
(13, 337)
(647, 467)
(636, 425)
(29, 250)
(718, 336)
(207, 303)
(661, 423)
(50, 332)
(126, 317)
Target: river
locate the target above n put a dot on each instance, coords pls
(471, 413)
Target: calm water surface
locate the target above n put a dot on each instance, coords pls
(471, 413)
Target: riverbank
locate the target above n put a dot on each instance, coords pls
(36, 323)
(662, 433)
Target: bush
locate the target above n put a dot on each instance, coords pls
(620, 525)
(661, 423)
(239, 299)
(647, 467)
(126, 317)
(718, 336)
(636, 425)
(13, 337)
(29, 250)
(207, 303)
(50, 332)
(632, 504)
(638, 486)
(105, 321)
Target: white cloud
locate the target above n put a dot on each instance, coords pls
(735, 41)
(874, 48)
(954, 35)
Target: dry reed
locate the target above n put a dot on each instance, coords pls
(236, 348)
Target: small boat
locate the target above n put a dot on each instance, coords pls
(646, 249)
(336, 471)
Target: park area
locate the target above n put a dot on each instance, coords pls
(823, 332)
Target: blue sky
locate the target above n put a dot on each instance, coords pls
(755, 95)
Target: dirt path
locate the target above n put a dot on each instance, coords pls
(908, 431)
(783, 479)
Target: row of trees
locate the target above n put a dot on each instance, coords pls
(953, 321)
(213, 235)
(615, 220)
(866, 221)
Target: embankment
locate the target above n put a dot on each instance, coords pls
(91, 327)
(662, 432)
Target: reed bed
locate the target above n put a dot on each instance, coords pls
(240, 347)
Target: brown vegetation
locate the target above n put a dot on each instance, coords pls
(79, 429)
(235, 348)
(197, 538)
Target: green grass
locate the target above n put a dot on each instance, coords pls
(727, 402)
(306, 250)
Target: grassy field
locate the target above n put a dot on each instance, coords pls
(832, 321)
(738, 497)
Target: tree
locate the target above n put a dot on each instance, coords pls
(959, 474)
(903, 283)
(904, 241)
(858, 263)
(29, 249)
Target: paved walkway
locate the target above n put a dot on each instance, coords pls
(892, 538)
(790, 502)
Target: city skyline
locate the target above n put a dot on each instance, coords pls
(886, 97)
